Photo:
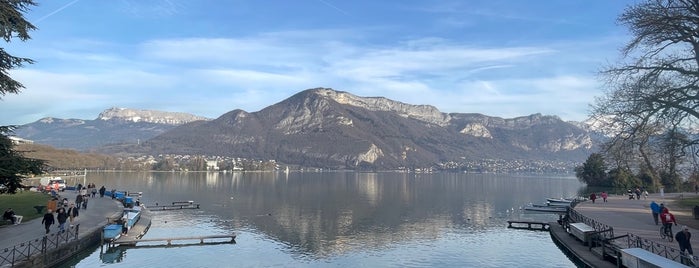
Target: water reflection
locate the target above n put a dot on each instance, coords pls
(320, 215)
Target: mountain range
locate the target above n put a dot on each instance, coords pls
(326, 128)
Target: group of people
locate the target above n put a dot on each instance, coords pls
(66, 211)
(636, 194)
(603, 195)
(11, 216)
(667, 219)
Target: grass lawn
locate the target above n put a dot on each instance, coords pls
(23, 204)
(688, 202)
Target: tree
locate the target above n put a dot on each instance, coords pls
(13, 25)
(13, 165)
(654, 88)
(593, 172)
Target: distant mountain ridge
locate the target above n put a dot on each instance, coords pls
(149, 116)
(326, 128)
(112, 126)
(333, 129)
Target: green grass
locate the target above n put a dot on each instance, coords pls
(23, 204)
(689, 202)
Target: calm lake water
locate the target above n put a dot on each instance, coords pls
(341, 219)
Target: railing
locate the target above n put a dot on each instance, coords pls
(604, 231)
(24, 251)
(661, 249)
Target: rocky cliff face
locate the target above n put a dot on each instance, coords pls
(327, 128)
(148, 116)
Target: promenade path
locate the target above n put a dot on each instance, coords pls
(634, 216)
(95, 216)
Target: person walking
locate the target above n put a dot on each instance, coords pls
(655, 209)
(682, 238)
(78, 201)
(593, 196)
(72, 213)
(102, 190)
(61, 216)
(48, 220)
(604, 197)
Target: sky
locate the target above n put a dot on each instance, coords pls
(207, 57)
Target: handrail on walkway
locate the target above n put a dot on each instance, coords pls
(661, 249)
(24, 251)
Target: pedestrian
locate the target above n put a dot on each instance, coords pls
(593, 196)
(61, 216)
(72, 213)
(645, 194)
(78, 201)
(682, 238)
(77, 189)
(48, 220)
(85, 202)
(604, 196)
(94, 192)
(655, 209)
(102, 190)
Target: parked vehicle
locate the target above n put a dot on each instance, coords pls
(48, 183)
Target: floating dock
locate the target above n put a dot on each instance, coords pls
(207, 239)
(528, 225)
(176, 206)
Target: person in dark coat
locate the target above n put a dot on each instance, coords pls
(682, 238)
(48, 220)
(102, 190)
(61, 216)
(593, 196)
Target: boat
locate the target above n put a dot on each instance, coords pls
(549, 204)
(129, 218)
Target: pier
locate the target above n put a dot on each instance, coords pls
(202, 240)
(172, 207)
(530, 225)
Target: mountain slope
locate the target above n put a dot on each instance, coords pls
(333, 129)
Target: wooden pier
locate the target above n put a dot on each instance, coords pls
(202, 240)
(530, 225)
(172, 207)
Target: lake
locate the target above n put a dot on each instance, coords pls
(341, 219)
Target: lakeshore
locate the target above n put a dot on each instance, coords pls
(89, 226)
(627, 216)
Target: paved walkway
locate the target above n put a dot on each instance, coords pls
(95, 216)
(634, 216)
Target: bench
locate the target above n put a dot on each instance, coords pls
(581, 231)
(39, 209)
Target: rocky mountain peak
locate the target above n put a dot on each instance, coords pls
(150, 116)
(427, 113)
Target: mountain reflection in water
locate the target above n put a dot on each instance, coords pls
(345, 218)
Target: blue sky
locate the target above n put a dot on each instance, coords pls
(497, 57)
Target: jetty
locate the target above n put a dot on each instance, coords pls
(528, 225)
(206, 239)
(173, 207)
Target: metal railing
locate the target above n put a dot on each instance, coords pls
(603, 231)
(24, 251)
(661, 249)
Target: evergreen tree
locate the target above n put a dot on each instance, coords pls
(594, 171)
(13, 165)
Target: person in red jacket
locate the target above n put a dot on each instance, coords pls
(668, 219)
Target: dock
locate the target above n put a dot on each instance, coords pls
(530, 225)
(201, 240)
(174, 206)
